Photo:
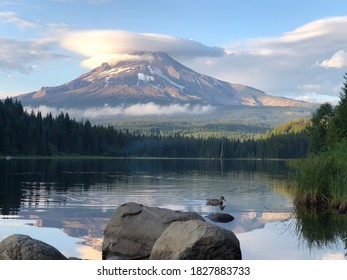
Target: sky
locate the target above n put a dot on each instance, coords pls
(296, 49)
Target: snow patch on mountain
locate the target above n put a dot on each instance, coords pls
(161, 80)
(157, 71)
(216, 82)
(198, 82)
(145, 78)
(107, 74)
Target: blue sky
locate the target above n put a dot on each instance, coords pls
(296, 49)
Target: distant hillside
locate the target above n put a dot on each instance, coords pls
(240, 122)
(27, 134)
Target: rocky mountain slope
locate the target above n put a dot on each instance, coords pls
(153, 77)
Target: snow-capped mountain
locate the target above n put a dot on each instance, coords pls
(152, 77)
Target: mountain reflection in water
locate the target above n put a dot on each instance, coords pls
(77, 197)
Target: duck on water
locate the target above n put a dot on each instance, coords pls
(215, 201)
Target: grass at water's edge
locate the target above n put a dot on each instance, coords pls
(321, 181)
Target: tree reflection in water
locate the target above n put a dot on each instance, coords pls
(319, 230)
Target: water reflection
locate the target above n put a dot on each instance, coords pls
(276, 242)
(79, 196)
(53, 236)
(34, 183)
(320, 230)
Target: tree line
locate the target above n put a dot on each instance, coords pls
(321, 180)
(329, 124)
(25, 133)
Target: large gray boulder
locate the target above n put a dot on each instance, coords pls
(134, 228)
(23, 247)
(196, 240)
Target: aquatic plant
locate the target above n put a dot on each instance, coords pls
(321, 181)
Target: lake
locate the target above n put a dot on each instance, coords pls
(67, 203)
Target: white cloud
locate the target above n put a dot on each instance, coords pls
(283, 65)
(13, 18)
(20, 4)
(4, 94)
(24, 56)
(112, 59)
(338, 60)
(316, 98)
(286, 65)
(95, 44)
(333, 256)
(146, 109)
(27, 55)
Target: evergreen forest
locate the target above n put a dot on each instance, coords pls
(321, 178)
(25, 133)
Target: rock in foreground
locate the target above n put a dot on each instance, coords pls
(134, 228)
(196, 240)
(23, 247)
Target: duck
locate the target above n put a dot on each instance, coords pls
(215, 201)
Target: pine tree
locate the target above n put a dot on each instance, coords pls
(340, 118)
(321, 121)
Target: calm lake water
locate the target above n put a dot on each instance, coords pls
(67, 203)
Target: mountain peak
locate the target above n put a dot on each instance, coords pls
(105, 66)
(144, 77)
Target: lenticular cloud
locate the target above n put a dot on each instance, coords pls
(113, 44)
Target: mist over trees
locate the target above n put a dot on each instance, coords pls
(29, 134)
